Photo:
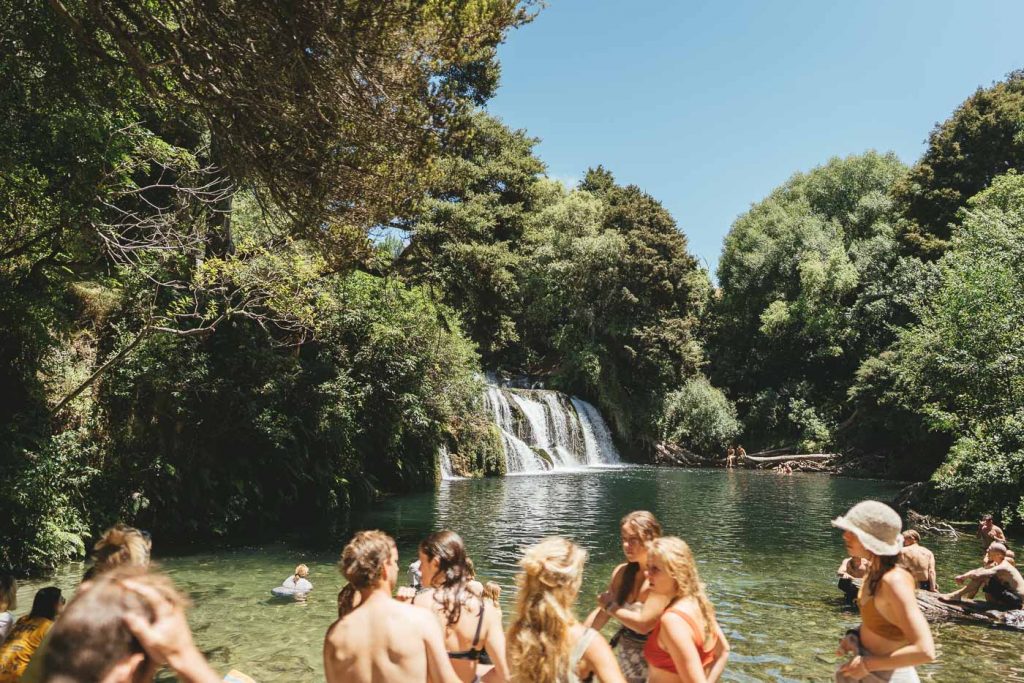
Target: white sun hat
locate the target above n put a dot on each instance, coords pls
(876, 524)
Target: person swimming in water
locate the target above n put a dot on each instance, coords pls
(299, 580)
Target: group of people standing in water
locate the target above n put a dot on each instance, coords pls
(127, 621)
(451, 629)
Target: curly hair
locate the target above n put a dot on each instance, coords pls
(538, 640)
(120, 545)
(362, 563)
(675, 555)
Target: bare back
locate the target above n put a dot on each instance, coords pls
(918, 561)
(473, 630)
(383, 641)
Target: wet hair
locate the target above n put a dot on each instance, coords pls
(90, 637)
(46, 602)
(8, 593)
(120, 545)
(645, 525)
(675, 556)
(538, 640)
(454, 570)
(362, 563)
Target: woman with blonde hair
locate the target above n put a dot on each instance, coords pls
(546, 644)
(628, 598)
(894, 637)
(120, 545)
(687, 645)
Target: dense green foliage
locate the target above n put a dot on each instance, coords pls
(982, 139)
(185, 192)
(592, 288)
(806, 278)
(204, 332)
(964, 359)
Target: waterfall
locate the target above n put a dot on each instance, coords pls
(444, 458)
(544, 430)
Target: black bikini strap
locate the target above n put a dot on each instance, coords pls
(479, 624)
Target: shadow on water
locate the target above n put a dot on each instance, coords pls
(763, 543)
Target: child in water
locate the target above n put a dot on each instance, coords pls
(299, 581)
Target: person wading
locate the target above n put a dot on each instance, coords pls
(545, 642)
(894, 636)
(628, 598)
(471, 623)
(381, 640)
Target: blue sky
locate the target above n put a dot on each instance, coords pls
(710, 105)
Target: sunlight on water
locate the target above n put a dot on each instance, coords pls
(763, 542)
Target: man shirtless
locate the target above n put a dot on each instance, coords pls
(381, 640)
(850, 569)
(918, 560)
(1002, 583)
(989, 533)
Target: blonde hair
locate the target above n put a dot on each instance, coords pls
(301, 572)
(8, 593)
(538, 640)
(677, 559)
(362, 563)
(120, 545)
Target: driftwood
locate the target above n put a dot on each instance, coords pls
(773, 451)
(977, 611)
(781, 458)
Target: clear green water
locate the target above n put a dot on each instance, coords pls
(763, 542)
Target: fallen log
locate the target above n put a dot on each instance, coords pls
(780, 458)
(977, 611)
(772, 451)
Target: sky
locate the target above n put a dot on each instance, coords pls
(709, 105)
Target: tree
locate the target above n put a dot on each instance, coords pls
(803, 298)
(964, 360)
(981, 140)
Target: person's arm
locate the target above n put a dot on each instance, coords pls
(494, 643)
(598, 617)
(678, 639)
(843, 571)
(898, 598)
(1000, 536)
(167, 638)
(721, 655)
(601, 661)
(644, 619)
(439, 667)
(933, 584)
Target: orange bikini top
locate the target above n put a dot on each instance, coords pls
(657, 657)
(873, 619)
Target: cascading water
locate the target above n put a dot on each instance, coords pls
(544, 429)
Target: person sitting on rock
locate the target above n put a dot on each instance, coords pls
(741, 452)
(850, 569)
(989, 533)
(918, 560)
(730, 457)
(1002, 583)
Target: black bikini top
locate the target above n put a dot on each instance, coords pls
(473, 653)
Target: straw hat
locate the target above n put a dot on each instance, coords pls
(876, 525)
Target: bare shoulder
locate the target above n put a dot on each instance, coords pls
(898, 578)
(618, 573)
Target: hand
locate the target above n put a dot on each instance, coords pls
(167, 638)
(604, 600)
(961, 578)
(405, 594)
(847, 645)
(855, 668)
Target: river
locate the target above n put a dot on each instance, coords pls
(763, 542)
